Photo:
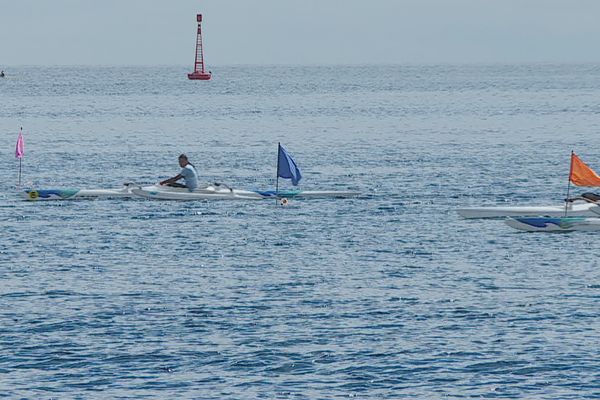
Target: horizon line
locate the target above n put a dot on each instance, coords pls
(383, 64)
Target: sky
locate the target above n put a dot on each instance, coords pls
(307, 32)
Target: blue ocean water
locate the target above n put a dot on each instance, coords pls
(390, 295)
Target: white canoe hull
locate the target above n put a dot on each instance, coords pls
(206, 193)
(222, 192)
(71, 194)
(574, 210)
(546, 224)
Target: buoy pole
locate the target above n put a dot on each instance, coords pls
(199, 51)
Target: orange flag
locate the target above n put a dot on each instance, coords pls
(581, 174)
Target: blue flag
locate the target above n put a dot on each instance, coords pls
(287, 168)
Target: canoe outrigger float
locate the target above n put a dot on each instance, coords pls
(216, 191)
(71, 194)
(547, 224)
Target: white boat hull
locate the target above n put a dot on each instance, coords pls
(546, 224)
(574, 210)
(207, 193)
(222, 192)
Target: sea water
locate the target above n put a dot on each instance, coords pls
(389, 295)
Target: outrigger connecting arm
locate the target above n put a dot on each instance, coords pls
(587, 197)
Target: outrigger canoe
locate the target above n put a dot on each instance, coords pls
(223, 192)
(211, 192)
(547, 224)
(581, 175)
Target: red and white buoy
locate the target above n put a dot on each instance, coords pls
(199, 72)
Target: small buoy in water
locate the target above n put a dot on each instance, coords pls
(284, 202)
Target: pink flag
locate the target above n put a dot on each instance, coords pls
(20, 151)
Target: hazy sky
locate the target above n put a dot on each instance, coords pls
(45, 32)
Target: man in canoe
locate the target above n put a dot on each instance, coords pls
(188, 173)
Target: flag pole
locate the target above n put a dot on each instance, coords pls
(20, 162)
(277, 173)
(569, 184)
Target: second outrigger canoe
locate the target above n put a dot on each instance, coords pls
(580, 175)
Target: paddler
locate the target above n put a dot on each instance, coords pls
(188, 172)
